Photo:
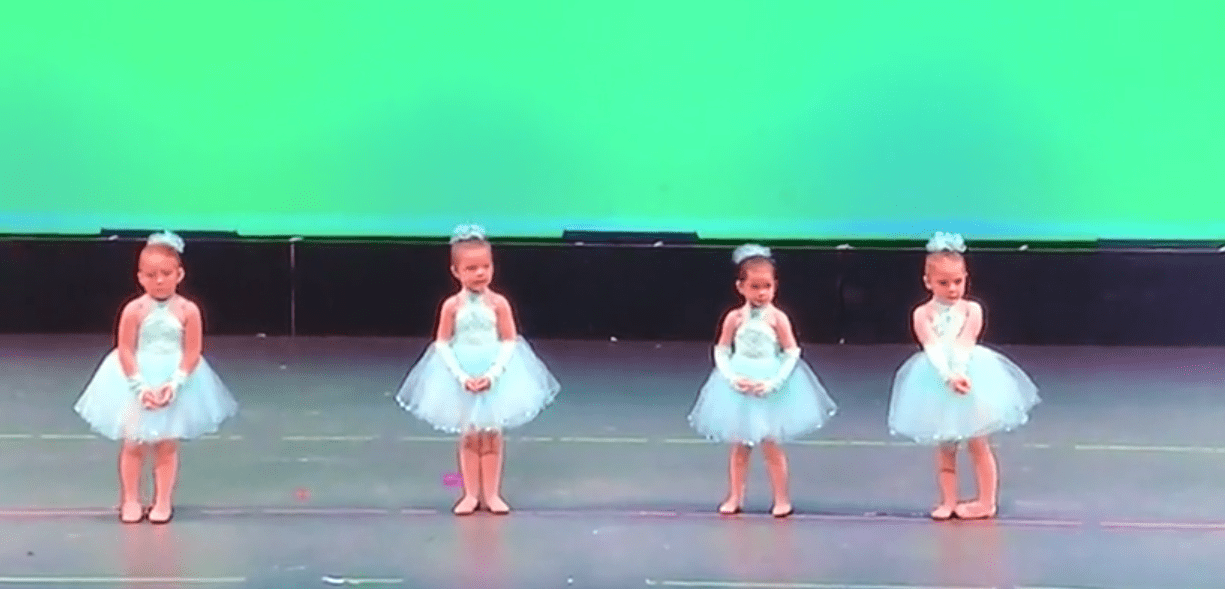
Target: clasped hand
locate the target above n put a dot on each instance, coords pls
(748, 386)
(157, 398)
(960, 384)
(479, 384)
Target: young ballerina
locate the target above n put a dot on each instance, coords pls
(155, 388)
(760, 391)
(479, 377)
(956, 390)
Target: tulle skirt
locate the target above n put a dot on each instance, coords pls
(800, 406)
(112, 410)
(925, 409)
(434, 395)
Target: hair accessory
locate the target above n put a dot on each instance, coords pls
(750, 250)
(946, 242)
(467, 233)
(168, 239)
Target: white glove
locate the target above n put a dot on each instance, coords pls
(790, 357)
(936, 354)
(177, 379)
(723, 363)
(448, 358)
(506, 349)
(960, 361)
(137, 385)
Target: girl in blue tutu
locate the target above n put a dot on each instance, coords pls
(956, 390)
(760, 391)
(155, 388)
(479, 377)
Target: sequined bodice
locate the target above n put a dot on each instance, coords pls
(947, 322)
(755, 338)
(160, 331)
(475, 321)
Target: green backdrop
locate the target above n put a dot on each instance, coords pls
(786, 118)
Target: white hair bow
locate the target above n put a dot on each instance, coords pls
(467, 232)
(750, 250)
(946, 242)
(169, 239)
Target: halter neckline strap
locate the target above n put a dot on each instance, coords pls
(944, 306)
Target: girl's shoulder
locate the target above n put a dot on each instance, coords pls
(731, 322)
(966, 306)
(138, 306)
(923, 311)
(450, 303)
(184, 305)
(777, 316)
(974, 310)
(496, 300)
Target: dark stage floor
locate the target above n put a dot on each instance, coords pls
(324, 480)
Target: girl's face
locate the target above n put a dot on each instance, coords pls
(946, 279)
(758, 285)
(159, 273)
(472, 266)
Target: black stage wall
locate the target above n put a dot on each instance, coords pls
(1085, 296)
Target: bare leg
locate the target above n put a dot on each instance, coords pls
(165, 475)
(737, 473)
(986, 473)
(491, 472)
(776, 466)
(470, 471)
(946, 479)
(131, 465)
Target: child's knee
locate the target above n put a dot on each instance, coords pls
(491, 441)
(776, 457)
(471, 442)
(979, 446)
(166, 448)
(132, 449)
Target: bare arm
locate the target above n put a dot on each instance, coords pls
(921, 320)
(193, 337)
(506, 333)
(442, 341)
(784, 331)
(507, 330)
(967, 339)
(193, 343)
(727, 329)
(126, 336)
(973, 327)
(922, 326)
(791, 351)
(446, 321)
(723, 348)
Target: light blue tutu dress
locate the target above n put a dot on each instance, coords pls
(199, 407)
(925, 409)
(433, 393)
(798, 406)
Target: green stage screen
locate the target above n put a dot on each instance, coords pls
(1059, 119)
